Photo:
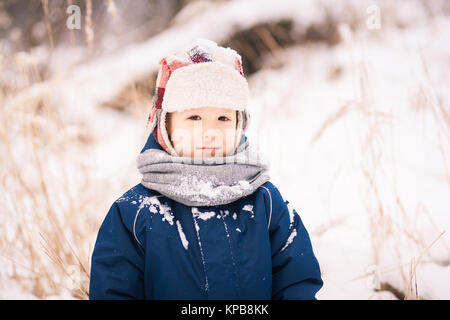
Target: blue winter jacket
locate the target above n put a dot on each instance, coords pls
(152, 247)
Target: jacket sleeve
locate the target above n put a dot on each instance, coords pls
(117, 261)
(295, 269)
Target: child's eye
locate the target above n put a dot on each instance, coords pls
(223, 118)
(194, 118)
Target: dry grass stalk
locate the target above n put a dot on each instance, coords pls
(48, 24)
(440, 114)
(340, 113)
(389, 230)
(40, 202)
(112, 9)
(89, 31)
(333, 223)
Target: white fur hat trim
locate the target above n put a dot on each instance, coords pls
(206, 84)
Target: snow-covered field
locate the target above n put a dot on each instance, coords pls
(357, 135)
(364, 158)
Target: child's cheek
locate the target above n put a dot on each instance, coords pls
(230, 139)
(182, 141)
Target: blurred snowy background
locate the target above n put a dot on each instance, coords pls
(350, 103)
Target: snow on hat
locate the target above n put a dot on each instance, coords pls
(201, 75)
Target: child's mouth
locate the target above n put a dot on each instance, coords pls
(211, 150)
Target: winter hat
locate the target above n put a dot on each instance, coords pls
(201, 75)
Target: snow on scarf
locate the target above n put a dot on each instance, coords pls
(204, 181)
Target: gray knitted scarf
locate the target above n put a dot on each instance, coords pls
(204, 181)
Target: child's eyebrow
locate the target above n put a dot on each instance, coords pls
(191, 111)
(227, 113)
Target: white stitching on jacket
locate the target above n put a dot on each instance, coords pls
(135, 219)
(270, 212)
(134, 227)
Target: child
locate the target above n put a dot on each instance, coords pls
(205, 222)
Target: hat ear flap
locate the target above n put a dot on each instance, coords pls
(245, 119)
(153, 118)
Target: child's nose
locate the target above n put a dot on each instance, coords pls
(211, 136)
(208, 138)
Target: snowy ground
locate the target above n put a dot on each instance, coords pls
(323, 177)
(358, 139)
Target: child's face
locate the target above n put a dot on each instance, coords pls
(202, 132)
